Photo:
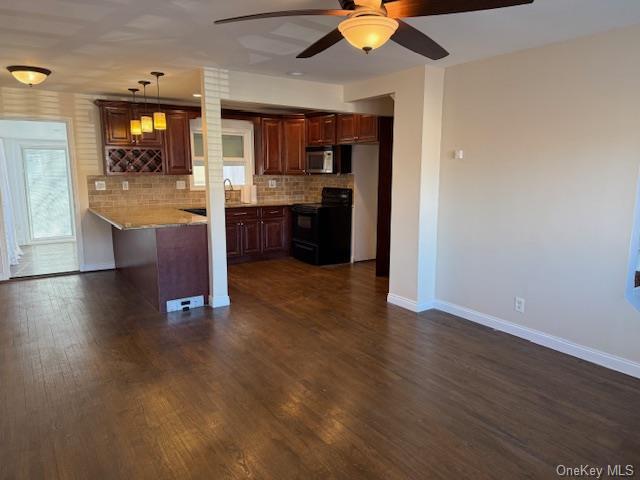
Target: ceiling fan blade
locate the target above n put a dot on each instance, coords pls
(422, 8)
(347, 4)
(287, 13)
(416, 41)
(321, 45)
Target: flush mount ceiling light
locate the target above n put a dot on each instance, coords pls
(197, 95)
(29, 75)
(371, 23)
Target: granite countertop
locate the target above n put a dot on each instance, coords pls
(152, 217)
(264, 203)
(158, 217)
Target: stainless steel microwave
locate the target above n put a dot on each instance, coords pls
(320, 160)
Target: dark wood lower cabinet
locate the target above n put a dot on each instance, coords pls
(273, 234)
(257, 233)
(251, 236)
(234, 239)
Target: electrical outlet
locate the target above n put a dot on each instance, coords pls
(273, 184)
(101, 185)
(181, 185)
(125, 185)
(518, 304)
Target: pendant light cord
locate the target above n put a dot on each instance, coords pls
(158, 89)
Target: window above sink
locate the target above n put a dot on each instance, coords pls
(237, 152)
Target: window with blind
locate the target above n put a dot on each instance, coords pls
(237, 153)
(48, 193)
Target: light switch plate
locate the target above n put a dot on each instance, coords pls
(273, 184)
(125, 185)
(101, 185)
(181, 185)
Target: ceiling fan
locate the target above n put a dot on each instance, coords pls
(371, 23)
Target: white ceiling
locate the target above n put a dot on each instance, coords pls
(105, 46)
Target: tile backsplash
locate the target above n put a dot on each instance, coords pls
(148, 190)
(155, 190)
(299, 188)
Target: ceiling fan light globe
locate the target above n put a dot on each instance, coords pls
(368, 32)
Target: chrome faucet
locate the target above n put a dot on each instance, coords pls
(224, 185)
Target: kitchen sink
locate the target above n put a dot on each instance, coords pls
(196, 211)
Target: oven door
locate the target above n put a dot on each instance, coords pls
(305, 225)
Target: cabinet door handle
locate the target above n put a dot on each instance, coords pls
(239, 214)
(274, 211)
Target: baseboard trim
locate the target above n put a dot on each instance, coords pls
(588, 354)
(96, 267)
(408, 304)
(221, 301)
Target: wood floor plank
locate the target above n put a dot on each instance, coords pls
(309, 374)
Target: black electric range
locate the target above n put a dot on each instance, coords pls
(322, 232)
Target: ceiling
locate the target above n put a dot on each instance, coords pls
(105, 46)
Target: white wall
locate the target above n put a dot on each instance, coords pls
(418, 95)
(78, 110)
(365, 201)
(254, 88)
(542, 205)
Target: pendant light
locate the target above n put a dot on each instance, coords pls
(159, 118)
(136, 126)
(145, 120)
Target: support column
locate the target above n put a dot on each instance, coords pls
(215, 86)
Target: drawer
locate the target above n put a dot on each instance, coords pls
(239, 214)
(306, 252)
(273, 212)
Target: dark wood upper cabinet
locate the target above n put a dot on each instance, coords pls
(367, 128)
(294, 145)
(157, 152)
(347, 128)
(272, 147)
(178, 143)
(321, 130)
(116, 124)
(314, 131)
(354, 128)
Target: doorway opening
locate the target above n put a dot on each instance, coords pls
(37, 198)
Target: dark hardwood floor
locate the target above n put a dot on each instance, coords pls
(309, 375)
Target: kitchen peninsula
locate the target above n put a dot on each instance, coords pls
(163, 251)
(160, 251)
